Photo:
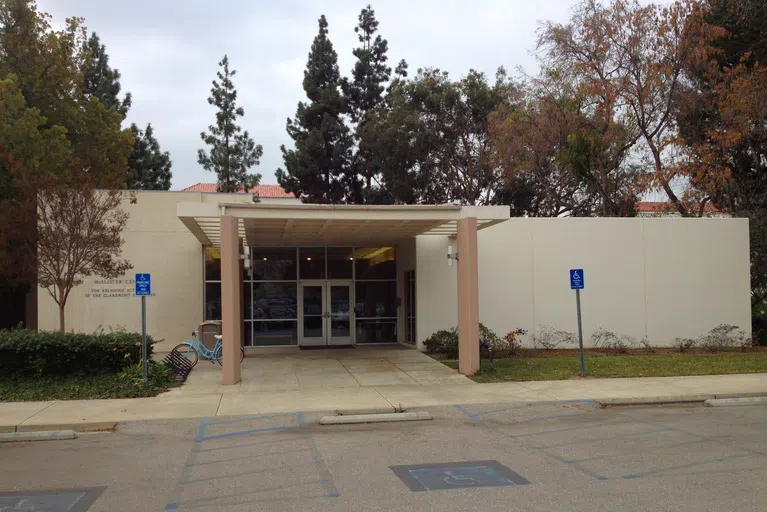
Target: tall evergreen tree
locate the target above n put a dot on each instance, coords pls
(101, 81)
(148, 166)
(365, 93)
(317, 170)
(232, 151)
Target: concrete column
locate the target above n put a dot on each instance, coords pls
(231, 299)
(468, 297)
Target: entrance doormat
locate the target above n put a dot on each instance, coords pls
(59, 500)
(454, 475)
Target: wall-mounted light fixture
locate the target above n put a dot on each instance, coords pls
(245, 257)
(451, 256)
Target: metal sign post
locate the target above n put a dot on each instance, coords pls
(577, 284)
(144, 288)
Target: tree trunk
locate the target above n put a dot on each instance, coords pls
(61, 317)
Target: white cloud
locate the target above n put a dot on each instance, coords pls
(167, 52)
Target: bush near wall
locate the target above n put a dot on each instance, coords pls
(446, 341)
(25, 352)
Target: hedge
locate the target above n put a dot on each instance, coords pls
(31, 353)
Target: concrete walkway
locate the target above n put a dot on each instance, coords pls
(21, 416)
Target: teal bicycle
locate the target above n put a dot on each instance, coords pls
(193, 350)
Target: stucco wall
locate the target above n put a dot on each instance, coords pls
(156, 242)
(656, 278)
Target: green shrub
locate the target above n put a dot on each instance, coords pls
(446, 341)
(34, 353)
(160, 376)
(443, 342)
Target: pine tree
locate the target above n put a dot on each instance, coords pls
(148, 166)
(101, 81)
(317, 170)
(232, 151)
(364, 94)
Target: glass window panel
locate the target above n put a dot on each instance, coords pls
(340, 261)
(212, 264)
(247, 333)
(339, 300)
(312, 262)
(274, 263)
(247, 304)
(313, 327)
(376, 298)
(313, 300)
(376, 331)
(212, 301)
(340, 327)
(275, 300)
(375, 263)
(275, 333)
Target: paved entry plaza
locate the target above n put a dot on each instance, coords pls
(287, 369)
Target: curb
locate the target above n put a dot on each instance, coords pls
(726, 402)
(369, 410)
(375, 418)
(88, 426)
(674, 399)
(51, 435)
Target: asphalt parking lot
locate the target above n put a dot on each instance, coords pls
(557, 456)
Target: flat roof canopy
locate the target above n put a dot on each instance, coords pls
(272, 225)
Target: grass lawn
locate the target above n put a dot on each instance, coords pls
(27, 389)
(660, 365)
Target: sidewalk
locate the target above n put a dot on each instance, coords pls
(99, 414)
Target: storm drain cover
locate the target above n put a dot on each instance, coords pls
(454, 475)
(62, 500)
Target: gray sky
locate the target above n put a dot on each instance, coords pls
(168, 51)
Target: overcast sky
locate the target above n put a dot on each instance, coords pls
(168, 51)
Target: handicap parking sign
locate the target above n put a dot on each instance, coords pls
(576, 279)
(143, 284)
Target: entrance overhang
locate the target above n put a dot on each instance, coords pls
(261, 225)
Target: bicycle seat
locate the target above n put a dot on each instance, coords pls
(218, 336)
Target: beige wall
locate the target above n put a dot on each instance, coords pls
(660, 278)
(656, 278)
(156, 242)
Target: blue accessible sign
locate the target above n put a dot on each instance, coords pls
(143, 284)
(576, 279)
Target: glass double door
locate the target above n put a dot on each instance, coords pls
(325, 313)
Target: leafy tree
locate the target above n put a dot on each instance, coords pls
(101, 81)
(317, 170)
(78, 235)
(723, 121)
(568, 148)
(364, 93)
(148, 166)
(53, 133)
(431, 143)
(49, 67)
(630, 57)
(232, 151)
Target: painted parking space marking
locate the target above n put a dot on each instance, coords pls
(57, 500)
(455, 475)
(267, 456)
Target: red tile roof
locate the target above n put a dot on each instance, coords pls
(665, 207)
(261, 190)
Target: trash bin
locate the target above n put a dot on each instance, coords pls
(206, 332)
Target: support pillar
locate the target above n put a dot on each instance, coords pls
(231, 299)
(468, 297)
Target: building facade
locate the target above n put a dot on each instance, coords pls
(320, 275)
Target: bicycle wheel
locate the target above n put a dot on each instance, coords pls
(187, 351)
(220, 353)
